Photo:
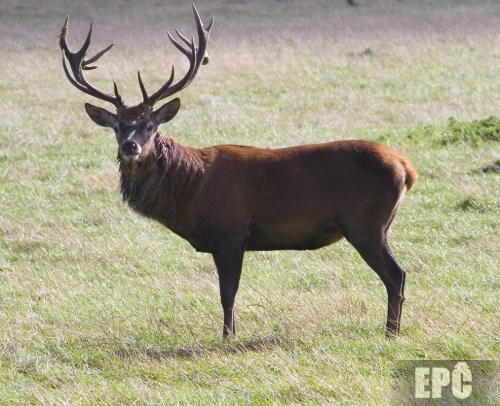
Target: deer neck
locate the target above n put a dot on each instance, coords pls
(162, 184)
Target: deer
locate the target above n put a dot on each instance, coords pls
(228, 199)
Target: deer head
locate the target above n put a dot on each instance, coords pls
(134, 126)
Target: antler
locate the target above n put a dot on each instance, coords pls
(196, 56)
(77, 64)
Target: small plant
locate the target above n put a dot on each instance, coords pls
(473, 204)
(492, 168)
(475, 132)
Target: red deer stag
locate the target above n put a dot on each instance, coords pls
(228, 199)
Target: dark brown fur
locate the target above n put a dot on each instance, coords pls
(161, 185)
(228, 199)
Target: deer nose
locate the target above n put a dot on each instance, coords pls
(130, 147)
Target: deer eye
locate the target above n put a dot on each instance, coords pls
(149, 127)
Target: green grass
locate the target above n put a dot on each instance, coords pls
(474, 132)
(99, 305)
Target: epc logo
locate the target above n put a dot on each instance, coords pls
(446, 382)
(429, 381)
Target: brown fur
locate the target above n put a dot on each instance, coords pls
(161, 185)
(268, 199)
(228, 199)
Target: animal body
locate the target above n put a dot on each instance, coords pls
(228, 199)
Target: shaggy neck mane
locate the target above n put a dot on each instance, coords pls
(160, 185)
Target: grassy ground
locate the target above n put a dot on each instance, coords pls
(98, 305)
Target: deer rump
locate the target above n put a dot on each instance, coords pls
(303, 197)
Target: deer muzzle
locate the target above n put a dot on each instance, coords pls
(130, 150)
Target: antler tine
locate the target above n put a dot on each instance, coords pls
(182, 37)
(143, 88)
(186, 41)
(199, 24)
(83, 50)
(62, 37)
(77, 64)
(117, 95)
(95, 58)
(179, 46)
(157, 95)
(194, 54)
(209, 26)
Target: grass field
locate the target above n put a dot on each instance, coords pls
(101, 306)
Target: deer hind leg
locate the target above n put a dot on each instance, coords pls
(395, 292)
(378, 256)
(369, 237)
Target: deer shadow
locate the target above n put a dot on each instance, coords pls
(226, 347)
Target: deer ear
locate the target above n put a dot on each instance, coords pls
(100, 116)
(166, 112)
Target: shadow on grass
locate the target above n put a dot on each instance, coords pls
(287, 340)
(222, 347)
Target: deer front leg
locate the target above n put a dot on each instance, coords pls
(228, 260)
